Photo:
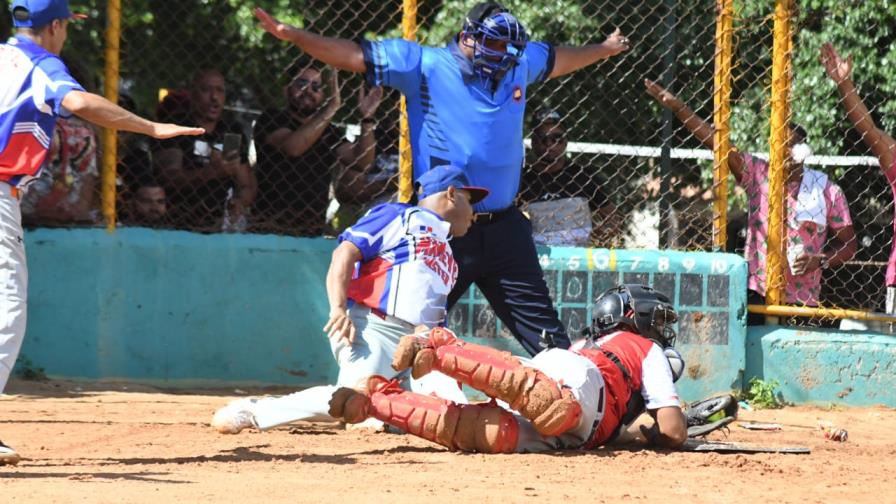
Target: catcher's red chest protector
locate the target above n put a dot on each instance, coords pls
(631, 350)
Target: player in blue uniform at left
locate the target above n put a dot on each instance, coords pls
(36, 89)
(466, 104)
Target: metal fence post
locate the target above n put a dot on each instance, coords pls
(778, 141)
(669, 60)
(405, 167)
(722, 121)
(110, 136)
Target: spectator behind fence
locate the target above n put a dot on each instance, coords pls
(65, 192)
(205, 179)
(879, 142)
(814, 205)
(300, 151)
(361, 188)
(134, 156)
(565, 201)
(147, 207)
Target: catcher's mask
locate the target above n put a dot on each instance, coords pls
(489, 23)
(636, 308)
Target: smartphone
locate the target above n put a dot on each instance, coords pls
(232, 143)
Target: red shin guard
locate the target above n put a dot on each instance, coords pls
(484, 428)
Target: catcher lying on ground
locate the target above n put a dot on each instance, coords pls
(560, 399)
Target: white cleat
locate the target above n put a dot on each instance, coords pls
(369, 425)
(8, 456)
(234, 417)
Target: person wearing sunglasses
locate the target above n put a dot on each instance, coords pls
(565, 201)
(300, 150)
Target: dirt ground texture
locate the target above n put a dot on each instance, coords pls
(114, 442)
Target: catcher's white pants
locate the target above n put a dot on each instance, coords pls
(376, 340)
(587, 385)
(13, 282)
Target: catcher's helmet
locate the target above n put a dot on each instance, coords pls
(491, 22)
(636, 308)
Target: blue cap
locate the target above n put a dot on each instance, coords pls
(439, 178)
(39, 13)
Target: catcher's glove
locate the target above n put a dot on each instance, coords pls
(710, 414)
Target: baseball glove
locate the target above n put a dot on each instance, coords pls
(710, 414)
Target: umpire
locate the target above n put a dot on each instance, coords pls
(466, 104)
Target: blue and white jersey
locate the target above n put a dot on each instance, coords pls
(455, 117)
(31, 91)
(407, 268)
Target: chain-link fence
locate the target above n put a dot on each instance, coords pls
(608, 165)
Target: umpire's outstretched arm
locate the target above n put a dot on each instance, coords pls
(340, 53)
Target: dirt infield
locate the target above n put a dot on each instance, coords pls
(125, 443)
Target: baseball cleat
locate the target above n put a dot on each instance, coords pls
(234, 417)
(8, 456)
(370, 425)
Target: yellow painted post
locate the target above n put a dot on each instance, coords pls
(780, 106)
(831, 313)
(110, 136)
(722, 121)
(405, 161)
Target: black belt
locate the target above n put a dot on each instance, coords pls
(490, 217)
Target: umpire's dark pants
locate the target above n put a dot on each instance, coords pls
(499, 257)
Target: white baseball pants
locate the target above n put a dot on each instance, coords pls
(13, 282)
(376, 340)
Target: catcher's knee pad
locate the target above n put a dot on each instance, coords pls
(478, 428)
(486, 428)
(418, 352)
(551, 408)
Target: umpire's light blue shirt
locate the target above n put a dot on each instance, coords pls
(453, 115)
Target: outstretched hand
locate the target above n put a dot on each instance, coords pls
(617, 43)
(273, 26)
(369, 101)
(837, 68)
(335, 100)
(165, 130)
(660, 94)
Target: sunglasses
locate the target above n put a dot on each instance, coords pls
(551, 138)
(304, 83)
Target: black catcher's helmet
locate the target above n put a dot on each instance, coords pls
(636, 308)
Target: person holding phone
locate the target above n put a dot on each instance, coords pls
(207, 178)
(300, 152)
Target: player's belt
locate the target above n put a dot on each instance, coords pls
(385, 316)
(490, 217)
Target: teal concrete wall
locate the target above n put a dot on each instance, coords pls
(180, 309)
(824, 365)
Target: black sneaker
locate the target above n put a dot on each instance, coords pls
(8, 456)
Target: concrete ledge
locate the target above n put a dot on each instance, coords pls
(824, 366)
